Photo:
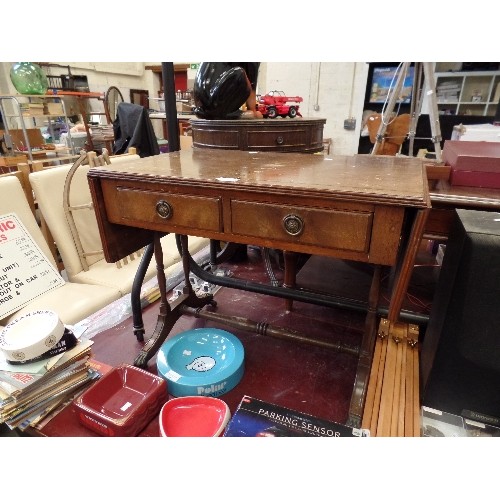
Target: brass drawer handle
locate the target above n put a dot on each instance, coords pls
(280, 140)
(293, 224)
(164, 209)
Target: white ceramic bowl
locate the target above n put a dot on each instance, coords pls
(31, 335)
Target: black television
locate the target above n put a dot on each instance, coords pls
(383, 78)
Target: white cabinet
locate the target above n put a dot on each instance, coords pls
(468, 92)
(25, 115)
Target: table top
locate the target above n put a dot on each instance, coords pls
(163, 115)
(397, 181)
(444, 194)
(268, 122)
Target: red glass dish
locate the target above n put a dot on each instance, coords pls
(122, 402)
(194, 416)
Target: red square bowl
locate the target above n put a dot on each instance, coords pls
(122, 402)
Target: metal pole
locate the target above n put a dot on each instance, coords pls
(416, 105)
(394, 95)
(167, 71)
(173, 145)
(433, 115)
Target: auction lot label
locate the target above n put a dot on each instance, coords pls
(25, 272)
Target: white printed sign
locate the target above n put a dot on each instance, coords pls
(25, 272)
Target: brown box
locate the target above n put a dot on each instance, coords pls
(473, 163)
(35, 138)
(472, 178)
(32, 109)
(482, 156)
(53, 108)
(8, 162)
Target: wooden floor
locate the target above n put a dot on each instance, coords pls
(309, 379)
(313, 379)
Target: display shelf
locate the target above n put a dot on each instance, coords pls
(81, 98)
(26, 126)
(468, 92)
(28, 115)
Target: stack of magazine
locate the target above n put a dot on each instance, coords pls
(30, 392)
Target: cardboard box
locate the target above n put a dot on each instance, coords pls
(35, 138)
(53, 108)
(8, 162)
(32, 109)
(481, 156)
(480, 429)
(437, 423)
(475, 132)
(472, 178)
(473, 163)
(256, 418)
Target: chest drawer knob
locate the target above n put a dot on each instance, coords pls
(293, 224)
(164, 209)
(280, 140)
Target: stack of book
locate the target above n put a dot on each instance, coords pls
(31, 109)
(101, 133)
(448, 91)
(31, 392)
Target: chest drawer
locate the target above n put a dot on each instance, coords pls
(328, 228)
(164, 211)
(272, 139)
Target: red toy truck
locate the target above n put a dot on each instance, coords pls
(276, 103)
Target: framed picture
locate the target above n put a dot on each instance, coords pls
(384, 78)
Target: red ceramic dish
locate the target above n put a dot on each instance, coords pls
(122, 402)
(194, 416)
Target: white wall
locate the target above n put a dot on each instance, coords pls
(101, 76)
(334, 91)
(330, 90)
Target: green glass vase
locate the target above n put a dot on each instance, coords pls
(28, 78)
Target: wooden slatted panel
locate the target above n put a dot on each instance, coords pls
(392, 399)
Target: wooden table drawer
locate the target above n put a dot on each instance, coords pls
(170, 211)
(270, 139)
(328, 228)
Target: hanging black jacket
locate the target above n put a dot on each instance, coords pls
(133, 128)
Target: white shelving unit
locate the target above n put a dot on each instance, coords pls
(25, 112)
(468, 92)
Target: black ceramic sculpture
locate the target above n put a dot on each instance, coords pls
(222, 88)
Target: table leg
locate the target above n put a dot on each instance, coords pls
(169, 313)
(405, 269)
(135, 294)
(365, 354)
(290, 259)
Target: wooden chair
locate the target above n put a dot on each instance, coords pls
(23, 175)
(74, 227)
(70, 210)
(73, 302)
(28, 167)
(112, 98)
(395, 134)
(105, 158)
